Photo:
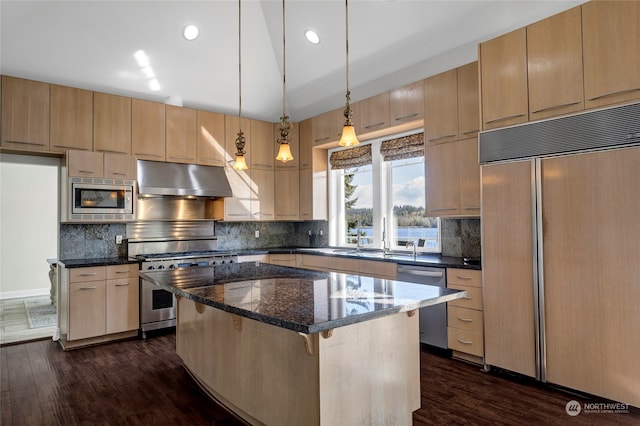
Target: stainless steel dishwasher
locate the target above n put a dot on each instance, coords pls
(433, 319)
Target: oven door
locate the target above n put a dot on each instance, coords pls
(157, 307)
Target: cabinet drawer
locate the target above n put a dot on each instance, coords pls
(284, 259)
(378, 269)
(470, 277)
(473, 299)
(464, 319)
(465, 341)
(330, 263)
(122, 271)
(95, 273)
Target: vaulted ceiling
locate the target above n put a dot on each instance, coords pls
(91, 45)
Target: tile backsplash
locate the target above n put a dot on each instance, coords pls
(460, 237)
(89, 241)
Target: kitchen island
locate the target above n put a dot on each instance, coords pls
(289, 346)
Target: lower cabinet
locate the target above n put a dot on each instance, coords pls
(464, 316)
(370, 268)
(284, 259)
(98, 304)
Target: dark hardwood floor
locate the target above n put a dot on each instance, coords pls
(140, 382)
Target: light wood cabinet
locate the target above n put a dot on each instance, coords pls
(306, 145)
(264, 258)
(611, 46)
(503, 80)
(87, 310)
(25, 114)
(262, 145)
(71, 119)
(294, 146)
(122, 298)
(283, 259)
(286, 195)
(262, 194)
(180, 134)
(111, 123)
(313, 188)
(441, 107)
(238, 206)
(119, 166)
(373, 114)
(554, 61)
(327, 127)
(406, 103)
(468, 100)
(148, 130)
(211, 143)
(469, 177)
(85, 163)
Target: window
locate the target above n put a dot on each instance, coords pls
(377, 196)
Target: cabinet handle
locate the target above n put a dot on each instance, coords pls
(86, 171)
(467, 297)
(113, 152)
(148, 154)
(495, 120)
(471, 208)
(371, 126)
(262, 165)
(441, 137)
(70, 147)
(555, 107)
(465, 319)
(471, 131)
(462, 277)
(465, 342)
(88, 288)
(404, 117)
(622, 92)
(122, 285)
(322, 139)
(122, 272)
(285, 167)
(28, 143)
(119, 173)
(88, 274)
(443, 209)
(181, 158)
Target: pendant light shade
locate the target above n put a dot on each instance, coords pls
(349, 137)
(240, 163)
(284, 152)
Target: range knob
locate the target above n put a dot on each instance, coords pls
(222, 262)
(172, 266)
(151, 267)
(161, 267)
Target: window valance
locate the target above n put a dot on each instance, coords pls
(352, 157)
(405, 147)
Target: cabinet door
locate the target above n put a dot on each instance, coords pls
(442, 179)
(238, 206)
(111, 123)
(71, 119)
(468, 101)
(441, 107)
(554, 61)
(306, 146)
(262, 194)
(181, 134)
(406, 103)
(611, 38)
(87, 309)
(469, 177)
(313, 194)
(262, 145)
(231, 127)
(286, 193)
(507, 267)
(294, 146)
(211, 144)
(327, 127)
(85, 163)
(25, 114)
(373, 114)
(503, 80)
(148, 130)
(122, 311)
(119, 166)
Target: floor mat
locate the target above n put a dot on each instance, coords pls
(40, 312)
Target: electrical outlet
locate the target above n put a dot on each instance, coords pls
(257, 234)
(118, 239)
(321, 232)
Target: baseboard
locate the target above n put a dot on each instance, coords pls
(19, 294)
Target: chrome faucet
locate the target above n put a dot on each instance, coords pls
(385, 249)
(412, 244)
(357, 235)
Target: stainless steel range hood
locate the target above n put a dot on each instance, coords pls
(183, 180)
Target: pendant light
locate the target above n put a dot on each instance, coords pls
(284, 152)
(240, 163)
(349, 137)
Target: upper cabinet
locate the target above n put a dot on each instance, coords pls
(119, 166)
(503, 79)
(373, 114)
(406, 103)
(451, 103)
(611, 39)
(211, 145)
(180, 134)
(554, 64)
(108, 165)
(71, 113)
(111, 123)
(306, 145)
(327, 127)
(148, 130)
(262, 145)
(25, 114)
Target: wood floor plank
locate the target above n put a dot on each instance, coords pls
(142, 382)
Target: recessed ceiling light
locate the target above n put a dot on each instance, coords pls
(190, 32)
(312, 36)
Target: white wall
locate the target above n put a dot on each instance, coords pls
(28, 223)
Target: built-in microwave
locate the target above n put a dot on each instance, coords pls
(105, 200)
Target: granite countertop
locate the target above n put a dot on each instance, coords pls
(297, 299)
(102, 261)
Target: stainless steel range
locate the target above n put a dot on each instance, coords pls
(170, 245)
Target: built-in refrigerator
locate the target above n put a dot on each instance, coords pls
(561, 251)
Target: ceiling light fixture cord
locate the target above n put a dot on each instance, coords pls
(284, 150)
(348, 137)
(240, 163)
